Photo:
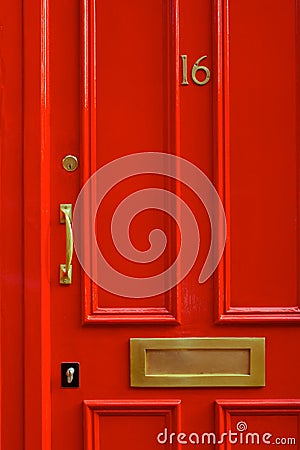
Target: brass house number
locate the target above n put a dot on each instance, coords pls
(197, 67)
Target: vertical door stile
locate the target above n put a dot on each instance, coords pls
(36, 226)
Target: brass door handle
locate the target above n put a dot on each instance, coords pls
(65, 276)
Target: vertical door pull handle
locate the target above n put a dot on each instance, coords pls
(65, 276)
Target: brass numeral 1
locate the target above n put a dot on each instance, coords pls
(195, 69)
(184, 70)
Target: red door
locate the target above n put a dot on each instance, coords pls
(157, 101)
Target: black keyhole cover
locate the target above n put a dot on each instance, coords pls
(63, 373)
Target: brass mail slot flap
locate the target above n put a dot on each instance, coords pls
(188, 362)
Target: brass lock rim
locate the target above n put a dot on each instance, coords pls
(67, 163)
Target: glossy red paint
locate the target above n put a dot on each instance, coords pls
(101, 80)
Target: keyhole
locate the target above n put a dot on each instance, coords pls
(70, 374)
(70, 163)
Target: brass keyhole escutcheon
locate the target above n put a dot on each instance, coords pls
(70, 163)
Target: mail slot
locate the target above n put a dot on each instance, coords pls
(187, 362)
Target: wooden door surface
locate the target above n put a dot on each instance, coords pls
(159, 102)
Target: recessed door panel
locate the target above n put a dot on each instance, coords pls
(129, 91)
(258, 149)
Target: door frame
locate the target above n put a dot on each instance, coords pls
(11, 226)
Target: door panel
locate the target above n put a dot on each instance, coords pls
(110, 77)
(128, 102)
(108, 424)
(258, 152)
(275, 422)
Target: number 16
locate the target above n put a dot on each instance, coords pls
(195, 69)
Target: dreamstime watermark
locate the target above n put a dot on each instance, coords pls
(239, 436)
(101, 182)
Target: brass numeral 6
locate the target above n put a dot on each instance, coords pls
(196, 67)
